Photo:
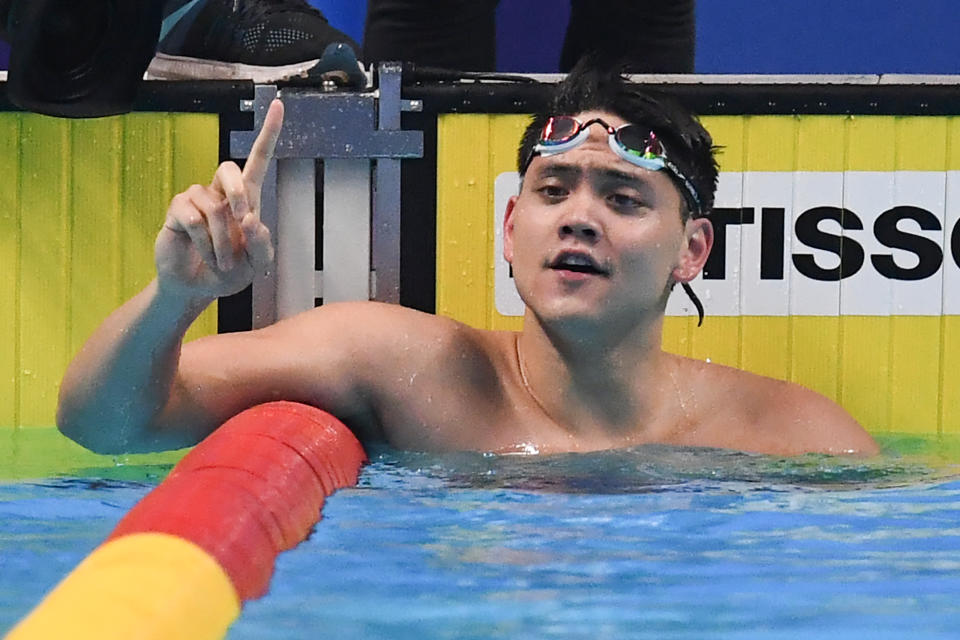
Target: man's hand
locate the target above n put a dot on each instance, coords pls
(213, 242)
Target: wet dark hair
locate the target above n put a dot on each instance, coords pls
(595, 85)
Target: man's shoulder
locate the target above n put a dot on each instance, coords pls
(777, 414)
(723, 381)
(369, 319)
(390, 332)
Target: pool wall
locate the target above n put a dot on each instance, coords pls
(839, 265)
(80, 208)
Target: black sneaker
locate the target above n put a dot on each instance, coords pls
(260, 40)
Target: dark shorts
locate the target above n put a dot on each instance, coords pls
(651, 36)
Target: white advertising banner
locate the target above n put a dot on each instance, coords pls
(813, 244)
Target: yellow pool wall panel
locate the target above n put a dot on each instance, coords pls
(78, 219)
(478, 147)
(895, 370)
(9, 268)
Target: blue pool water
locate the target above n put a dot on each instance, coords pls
(648, 543)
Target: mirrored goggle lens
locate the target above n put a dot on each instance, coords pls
(559, 129)
(639, 142)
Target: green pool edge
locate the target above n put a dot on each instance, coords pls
(43, 452)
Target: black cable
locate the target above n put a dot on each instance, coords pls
(416, 73)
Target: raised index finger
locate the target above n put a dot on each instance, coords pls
(262, 151)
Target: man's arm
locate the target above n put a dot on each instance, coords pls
(211, 244)
(123, 376)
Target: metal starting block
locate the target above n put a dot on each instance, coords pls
(359, 140)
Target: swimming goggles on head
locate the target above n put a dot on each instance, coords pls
(640, 147)
(637, 146)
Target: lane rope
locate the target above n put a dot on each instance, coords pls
(183, 560)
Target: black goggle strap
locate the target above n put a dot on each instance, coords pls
(696, 301)
(690, 191)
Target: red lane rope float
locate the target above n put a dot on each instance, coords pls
(251, 489)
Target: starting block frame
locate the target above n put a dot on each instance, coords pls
(357, 137)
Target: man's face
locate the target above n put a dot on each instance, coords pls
(593, 236)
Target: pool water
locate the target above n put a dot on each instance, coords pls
(652, 542)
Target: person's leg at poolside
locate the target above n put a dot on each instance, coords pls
(262, 40)
(455, 34)
(652, 36)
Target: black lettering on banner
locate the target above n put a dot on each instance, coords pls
(955, 244)
(716, 266)
(847, 249)
(771, 243)
(927, 251)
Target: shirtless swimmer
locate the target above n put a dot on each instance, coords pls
(612, 213)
